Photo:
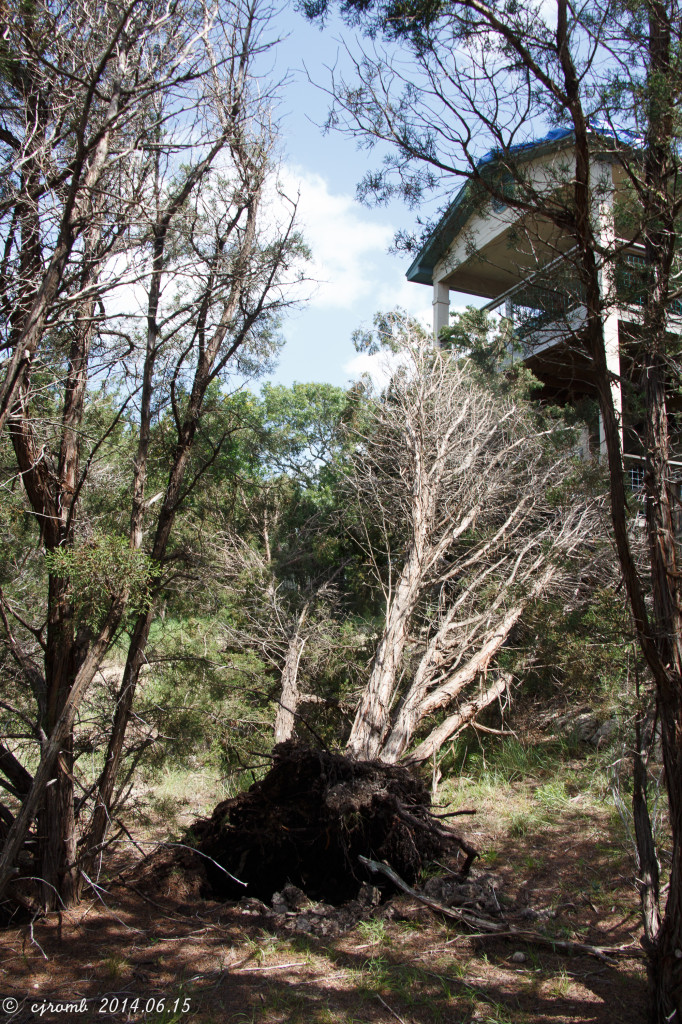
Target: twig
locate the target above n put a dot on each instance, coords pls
(603, 953)
(392, 1012)
(97, 889)
(136, 845)
(275, 967)
(166, 911)
(35, 942)
(444, 831)
(493, 732)
(447, 870)
(199, 853)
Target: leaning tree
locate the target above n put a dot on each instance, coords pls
(468, 507)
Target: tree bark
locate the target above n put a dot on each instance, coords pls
(372, 717)
(418, 706)
(285, 719)
(464, 716)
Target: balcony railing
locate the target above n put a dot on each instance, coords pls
(552, 295)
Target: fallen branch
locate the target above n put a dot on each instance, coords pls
(501, 930)
(471, 920)
(454, 814)
(274, 967)
(165, 911)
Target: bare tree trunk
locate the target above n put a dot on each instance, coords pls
(372, 717)
(464, 716)
(55, 742)
(100, 820)
(57, 834)
(666, 966)
(427, 698)
(648, 869)
(287, 707)
(465, 474)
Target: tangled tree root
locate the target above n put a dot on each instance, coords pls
(310, 819)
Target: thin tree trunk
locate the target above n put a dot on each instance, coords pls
(648, 870)
(99, 822)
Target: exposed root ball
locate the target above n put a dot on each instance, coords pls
(306, 822)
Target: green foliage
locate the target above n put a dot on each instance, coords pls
(488, 341)
(300, 426)
(199, 699)
(101, 570)
(584, 650)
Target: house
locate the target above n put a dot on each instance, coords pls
(522, 264)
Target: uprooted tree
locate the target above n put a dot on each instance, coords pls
(458, 505)
(467, 506)
(138, 270)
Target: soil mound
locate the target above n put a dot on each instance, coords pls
(308, 820)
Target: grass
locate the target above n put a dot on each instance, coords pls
(183, 793)
(115, 966)
(560, 984)
(529, 785)
(374, 931)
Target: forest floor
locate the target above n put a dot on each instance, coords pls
(552, 846)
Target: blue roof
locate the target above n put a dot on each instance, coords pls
(554, 136)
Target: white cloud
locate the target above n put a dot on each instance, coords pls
(346, 244)
(380, 367)
(415, 299)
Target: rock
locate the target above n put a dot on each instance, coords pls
(587, 726)
(584, 726)
(369, 895)
(541, 914)
(249, 905)
(605, 733)
(452, 893)
(295, 897)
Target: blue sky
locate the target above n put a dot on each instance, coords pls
(355, 274)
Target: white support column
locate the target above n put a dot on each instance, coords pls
(603, 177)
(612, 347)
(441, 307)
(585, 443)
